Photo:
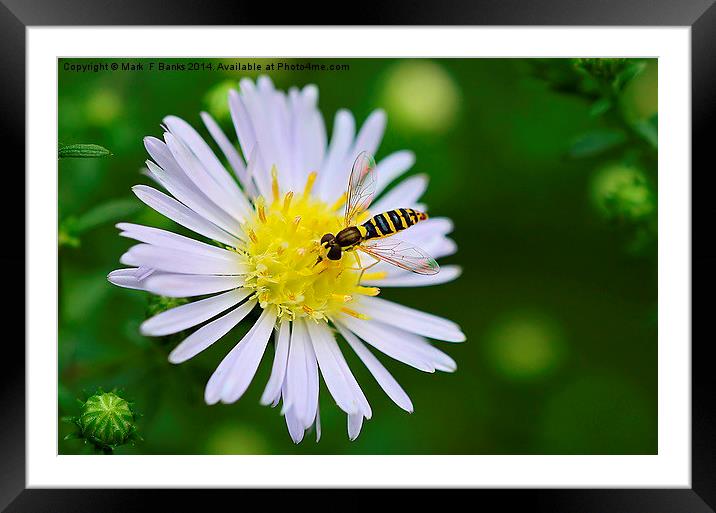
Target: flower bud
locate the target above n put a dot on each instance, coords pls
(606, 69)
(622, 193)
(159, 304)
(107, 421)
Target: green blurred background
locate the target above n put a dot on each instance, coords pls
(547, 167)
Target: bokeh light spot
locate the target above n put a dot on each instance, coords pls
(421, 96)
(622, 192)
(525, 346)
(103, 107)
(236, 439)
(216, 99)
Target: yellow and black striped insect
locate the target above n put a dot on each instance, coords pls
(375, 236)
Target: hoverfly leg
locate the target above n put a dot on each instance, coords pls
(360, 267)
(364, 269)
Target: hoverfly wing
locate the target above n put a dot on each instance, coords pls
(402, 254)
(361, 187)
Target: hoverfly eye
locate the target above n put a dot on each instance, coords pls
(334, 253)
(327, 237)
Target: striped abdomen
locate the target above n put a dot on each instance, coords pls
(391, 222)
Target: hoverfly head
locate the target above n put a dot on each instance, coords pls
(328, 240)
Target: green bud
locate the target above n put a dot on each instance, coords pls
(606, 69)
(617, 73)
(216, 99)
(622, 193)
(159, 304)
(107, 421)
(82, 151)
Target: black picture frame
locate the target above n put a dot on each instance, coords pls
(700, 15)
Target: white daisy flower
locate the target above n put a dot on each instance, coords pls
(262, 227)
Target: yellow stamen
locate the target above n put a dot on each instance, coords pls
(375, 276)
(262, 213)
(355, 314)
(287, 268)
(369, 291)
(274, 182)
(309, 183)
(341, 201)
(287, 202)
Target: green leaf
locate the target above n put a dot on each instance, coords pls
(628, 74)
(648, 129)
(65, 238)
(593, 143)
(82, 151)
(112, 211)
(115, 210)
(600, 107)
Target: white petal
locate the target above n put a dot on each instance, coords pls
(127, 278)
(407, 279)
(188, 285)
(245, 365)
(278, 370)
(185, 191)
(370, 135)
(207, 158)
(179, 213)
(242, 123)
(437, 247)
(295, 426)
(391, 167)
(318, 425)
(166, 239)
(322, 339)
(351, 380)
(386, 381)
(191, 314)
(403, 195)
(227, 148)
(296, 373)
(257, 173)
(260, 115)
(411, 320)
(355, 423)
(441, 247)
(176, 261)
(385, 339)
(308, 133)
(311, 414)
(210, 333)
(429, 229)
(441, 361)
(412, 344)
(205, 181)
(212, 392)
(333, 177)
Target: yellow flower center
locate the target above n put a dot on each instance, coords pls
(283, 251)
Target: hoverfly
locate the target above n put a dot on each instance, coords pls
(375, 236)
